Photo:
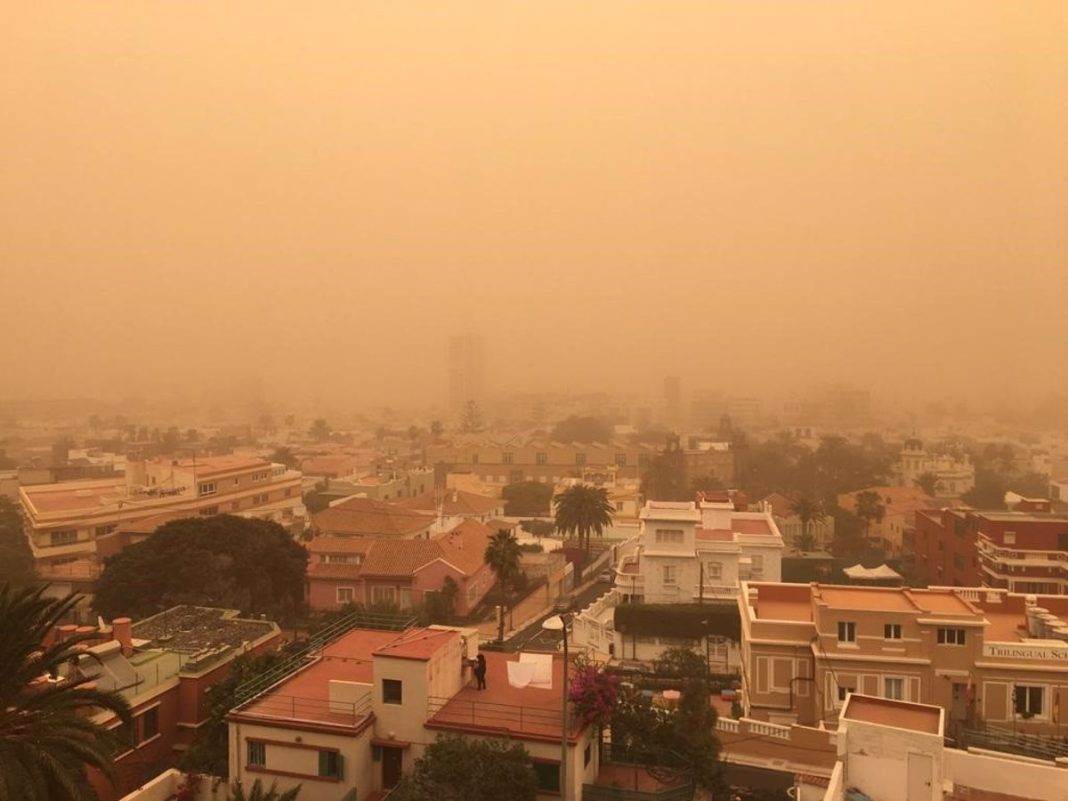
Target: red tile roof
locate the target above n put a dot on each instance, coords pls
(328, 544)
(399, 557)
(454, 503)
(364, 516)
(744, 526)
(464, 547)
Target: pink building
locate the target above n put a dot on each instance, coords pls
(363, 570)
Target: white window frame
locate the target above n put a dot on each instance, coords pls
(714, 570)
(670, 536)
(670, 575)
(206, 488)
(902, 686)
(951, 636)
(351, 591)
(1041, 713)
(891, 632)
(847, 627)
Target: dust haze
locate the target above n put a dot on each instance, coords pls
(310, 198)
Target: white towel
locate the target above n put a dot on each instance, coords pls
(520, 674)
(543, 669)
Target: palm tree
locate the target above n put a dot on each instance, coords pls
(582, 509)
(257, 793)
(47, 735)
(870, 508)
(502, 555)
(809, 511)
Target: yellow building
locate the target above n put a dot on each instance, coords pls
(983, 655)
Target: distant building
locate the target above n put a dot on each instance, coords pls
(467, 371)
(352, 721)
(64, 520)
(894, 531)
(454, 506)
(399, 572)
(982, 655)
(673, 402)
(953, 475)
(383, 485)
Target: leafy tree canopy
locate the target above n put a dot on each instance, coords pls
(457, 769)
(223, 561)
(527, 498)
(582, 429)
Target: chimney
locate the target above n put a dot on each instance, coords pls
(65, 632)
(455, 496)
(81, 631)
(122, 628)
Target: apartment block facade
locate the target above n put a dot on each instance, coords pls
(65, 519)
(547, 462)
(979, 654)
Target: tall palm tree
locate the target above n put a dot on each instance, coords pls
(583, 509)
(47, 735)
(257, 793)
(502, 555)
(870, 508)
(809, 511)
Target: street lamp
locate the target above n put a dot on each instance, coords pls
(560, 623)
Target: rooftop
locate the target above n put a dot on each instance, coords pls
(419, 644)
(206, 466)
(453, 502)
(899, 714)
(195, 628)
(364, 516)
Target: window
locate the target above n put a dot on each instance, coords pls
(261, 498)
(894, 688)
(843, 692)
(474, 458)
(847, 631)
(580, 458)
(392, 691)
(237, 481)
(263, 476)
(547, 775)
(587, 755)
(100, 531)
(508, 458)
(951, 636)
(65, 537)
(384, 595)
(713, 571)
(541, 458)
(621, 459)
(669, 535)
(1010, 537)
(235, 505)
(1027, 701)
(330, 764)
(892, 631)
(207, 488)
(756, 565)
(257, 754)
(671, 574)
(208, 511)
(344, 595)
(150, 724)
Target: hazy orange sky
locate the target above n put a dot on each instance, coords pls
(755, 195)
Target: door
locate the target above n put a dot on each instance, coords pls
(392, 765)
(920, 775)
(959, 711)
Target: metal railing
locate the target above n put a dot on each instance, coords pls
(318, 709)
(996, 738)
(359, 618)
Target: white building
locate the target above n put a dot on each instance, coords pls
(685, 552)
(894, 751)
(954, 475)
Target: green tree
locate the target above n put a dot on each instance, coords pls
(665, 477)
(284, 455)
(810, 512)
(47, 734)
(471, 419)
(258, 793)
(582, 429)
(527, 498)
(582, 510)
(928, 482)
(16, 558)
(502, 555)
(210, 751)
(679, 744)
(320, 430)
(439, 606)
(870, 508)
(454, 768)
(436, 428)
(989, 490)
(224, 561)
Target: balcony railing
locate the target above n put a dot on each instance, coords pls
(463, 712)
(322, 710)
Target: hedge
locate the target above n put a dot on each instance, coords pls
(684, 621)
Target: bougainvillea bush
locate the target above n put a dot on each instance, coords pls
(593, 693)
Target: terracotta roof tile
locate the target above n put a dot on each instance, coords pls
(400, 557)
(364, 516)
(464, 547)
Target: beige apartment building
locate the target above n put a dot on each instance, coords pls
(64, 520)
(982, 655)
(547, 462)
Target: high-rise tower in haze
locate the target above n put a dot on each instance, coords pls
(467, 371)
